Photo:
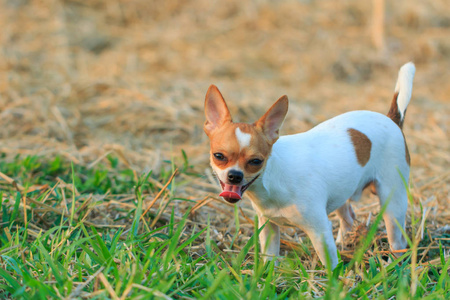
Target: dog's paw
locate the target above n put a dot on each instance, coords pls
(340, 238)
(268, 259)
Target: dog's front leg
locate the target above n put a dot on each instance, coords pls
(269, 239)
(321, 235)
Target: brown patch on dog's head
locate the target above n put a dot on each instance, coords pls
(362, 145)
(225, 142)
(245, 147)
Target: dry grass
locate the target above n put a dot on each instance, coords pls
(83, 79)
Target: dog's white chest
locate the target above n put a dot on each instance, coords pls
(283, 217)
(279, 214)
(281, 220)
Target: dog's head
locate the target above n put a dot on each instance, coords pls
(239, 151)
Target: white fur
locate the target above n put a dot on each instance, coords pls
(404, 86)
(243, 138)
(222, 174)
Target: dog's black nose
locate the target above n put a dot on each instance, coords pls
(235, 177)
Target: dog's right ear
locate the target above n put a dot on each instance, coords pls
(272, 120)
(216, 110)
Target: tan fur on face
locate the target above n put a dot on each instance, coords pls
(362, 145)
(224, 141)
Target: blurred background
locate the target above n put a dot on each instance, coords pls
(85, 78)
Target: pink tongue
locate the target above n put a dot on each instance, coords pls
(231, 191)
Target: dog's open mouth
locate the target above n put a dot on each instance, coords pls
(233, 193)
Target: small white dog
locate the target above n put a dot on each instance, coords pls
(297, 180)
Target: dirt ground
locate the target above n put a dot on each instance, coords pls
(84, 78)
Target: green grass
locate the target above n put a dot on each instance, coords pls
(61, 246)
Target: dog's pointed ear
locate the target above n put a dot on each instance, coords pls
(272, 120)
(216, 110)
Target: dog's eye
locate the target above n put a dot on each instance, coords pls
(219, 156)
(255, 162)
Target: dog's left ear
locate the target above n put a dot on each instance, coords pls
(216, 110)
(272, 120)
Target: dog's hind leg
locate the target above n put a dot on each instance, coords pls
(394, 192)
(346, 217)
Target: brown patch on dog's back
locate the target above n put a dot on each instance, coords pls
(362, 145)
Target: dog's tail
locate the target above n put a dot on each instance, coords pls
(402, 95)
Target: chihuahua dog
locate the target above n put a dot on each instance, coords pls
(297, 180)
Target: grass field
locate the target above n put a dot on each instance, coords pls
(105, 187)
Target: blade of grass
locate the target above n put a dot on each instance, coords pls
(15, 285)
(237, 225)
(16, 208)
(108, 286)
(56, 272)
(72, 209)
(160, 192)
(174, 240)
(244, 251)
(217, 282)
